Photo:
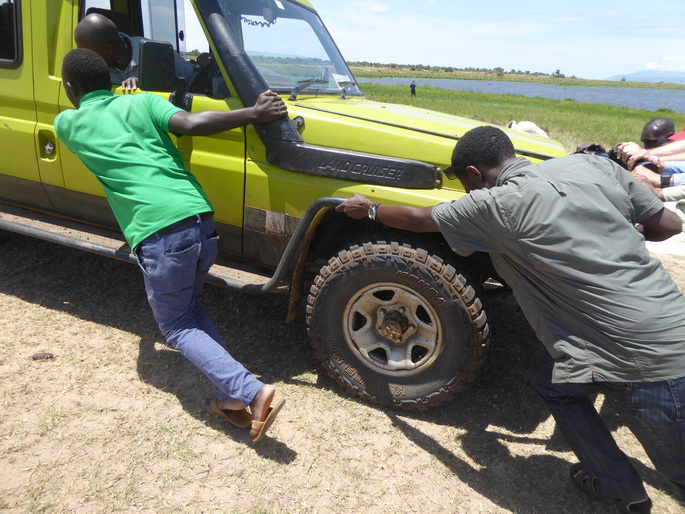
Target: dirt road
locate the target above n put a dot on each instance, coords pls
(113, 422)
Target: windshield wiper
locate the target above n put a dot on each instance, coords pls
(304, 84)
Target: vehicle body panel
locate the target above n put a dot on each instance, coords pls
(274, 186)
(238, 169)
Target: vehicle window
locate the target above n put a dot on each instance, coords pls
(289, 46)
(161, 23)
(99, 4)
(195, 40)
(103, 7)
(300, 57)
(183, 31)
(10, 40)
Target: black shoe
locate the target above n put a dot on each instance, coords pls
(586, 482)
(640, 506)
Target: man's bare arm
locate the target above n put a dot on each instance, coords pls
(632, 153)
(662, 225)
(396, 216)
(269, 107)
(650, 180)
(674, 151)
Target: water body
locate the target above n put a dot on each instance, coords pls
(633, 97)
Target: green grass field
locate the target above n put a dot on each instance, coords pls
(568, 121)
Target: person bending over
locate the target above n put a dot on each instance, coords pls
(562, 235)
(165, 215)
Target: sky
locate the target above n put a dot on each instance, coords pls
(587, 39)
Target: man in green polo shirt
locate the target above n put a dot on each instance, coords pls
(165, 215)
(563, 235)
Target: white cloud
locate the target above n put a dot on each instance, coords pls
(667, 63)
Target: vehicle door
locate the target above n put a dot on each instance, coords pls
(22, 146)
(217, 161)
(81, 196)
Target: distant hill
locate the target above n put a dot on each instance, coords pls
(672, 77)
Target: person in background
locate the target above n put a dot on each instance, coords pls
(656, 132)
(562, 234)
(121, 52)
(165, 215)
(670, 154)
(412, 88)
(665, 148)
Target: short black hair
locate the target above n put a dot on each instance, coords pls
(86, 71)
(660, 126)
(656, 132)
(482, 146)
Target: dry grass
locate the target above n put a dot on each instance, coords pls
(113, 422)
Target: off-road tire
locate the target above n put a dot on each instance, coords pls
(347, 309)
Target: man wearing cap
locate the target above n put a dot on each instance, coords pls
(563, 235)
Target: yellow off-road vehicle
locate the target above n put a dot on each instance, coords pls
(394, 317)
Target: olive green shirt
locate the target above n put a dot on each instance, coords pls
(561, 234)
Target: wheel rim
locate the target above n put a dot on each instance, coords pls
(393, 329)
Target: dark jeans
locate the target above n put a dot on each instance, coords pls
(175, 266)
(653, 411)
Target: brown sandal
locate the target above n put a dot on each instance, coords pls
(262, 426)
(240, 418)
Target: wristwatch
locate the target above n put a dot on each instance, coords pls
(666, 179)
(373, 211)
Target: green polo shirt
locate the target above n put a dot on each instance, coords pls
(123, 140)
(561, 233)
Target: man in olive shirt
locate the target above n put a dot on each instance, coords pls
(563, 235)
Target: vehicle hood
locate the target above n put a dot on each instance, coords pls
(400, 131)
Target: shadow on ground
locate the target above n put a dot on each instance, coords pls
(498, 409)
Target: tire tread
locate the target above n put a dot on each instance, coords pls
(456, 278)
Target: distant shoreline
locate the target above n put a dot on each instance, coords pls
(662, 100)
(428, 72)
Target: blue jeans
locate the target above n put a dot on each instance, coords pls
(653, 411)
(175, 266)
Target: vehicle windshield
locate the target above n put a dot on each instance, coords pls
(290, 47)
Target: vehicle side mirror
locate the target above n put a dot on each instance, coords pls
(157, 69)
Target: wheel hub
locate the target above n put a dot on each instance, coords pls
(394, 324)
(393, 329)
